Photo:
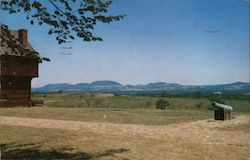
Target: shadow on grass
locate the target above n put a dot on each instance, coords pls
(34, 151)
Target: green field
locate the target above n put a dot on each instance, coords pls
(88, 100)
(191, 135)
(123, 116)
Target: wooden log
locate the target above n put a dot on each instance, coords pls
(36, 102)
(6, 92)
(29, 71)
(13, 104)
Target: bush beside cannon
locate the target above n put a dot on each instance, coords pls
(222, 111)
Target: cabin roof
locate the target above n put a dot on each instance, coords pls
(11, 45)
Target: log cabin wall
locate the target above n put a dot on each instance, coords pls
(16, 75)
(18, 66)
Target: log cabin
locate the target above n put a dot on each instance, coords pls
(18, 65)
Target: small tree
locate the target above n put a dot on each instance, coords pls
(161, 104)
(217, 98)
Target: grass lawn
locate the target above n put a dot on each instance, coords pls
(88, 100)
(120, 109)
(114, 115)
(35, 143)
(18, 142)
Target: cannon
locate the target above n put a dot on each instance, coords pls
(222, 106)
(222, 111)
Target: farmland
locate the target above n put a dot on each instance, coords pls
(108, 126)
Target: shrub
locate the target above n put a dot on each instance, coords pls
(217, 98)
(199, 105)
(196, 94)
(161, 104)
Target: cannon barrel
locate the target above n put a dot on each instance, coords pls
(222, 106)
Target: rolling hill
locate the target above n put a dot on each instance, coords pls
(112, 86)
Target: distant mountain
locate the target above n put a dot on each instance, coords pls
(112, 86)
(105, 83)
(55, 87)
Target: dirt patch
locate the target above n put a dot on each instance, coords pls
(203, 131)
(104, 95)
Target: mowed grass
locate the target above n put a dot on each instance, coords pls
(110, 108)
(120, 109)
(88, 100)
(113, 115)
(241, 127)
(35, 143)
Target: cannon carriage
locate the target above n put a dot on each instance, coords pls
(222, 111)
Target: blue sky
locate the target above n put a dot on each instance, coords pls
(158, 41)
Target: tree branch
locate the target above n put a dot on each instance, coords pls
(57, 7)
